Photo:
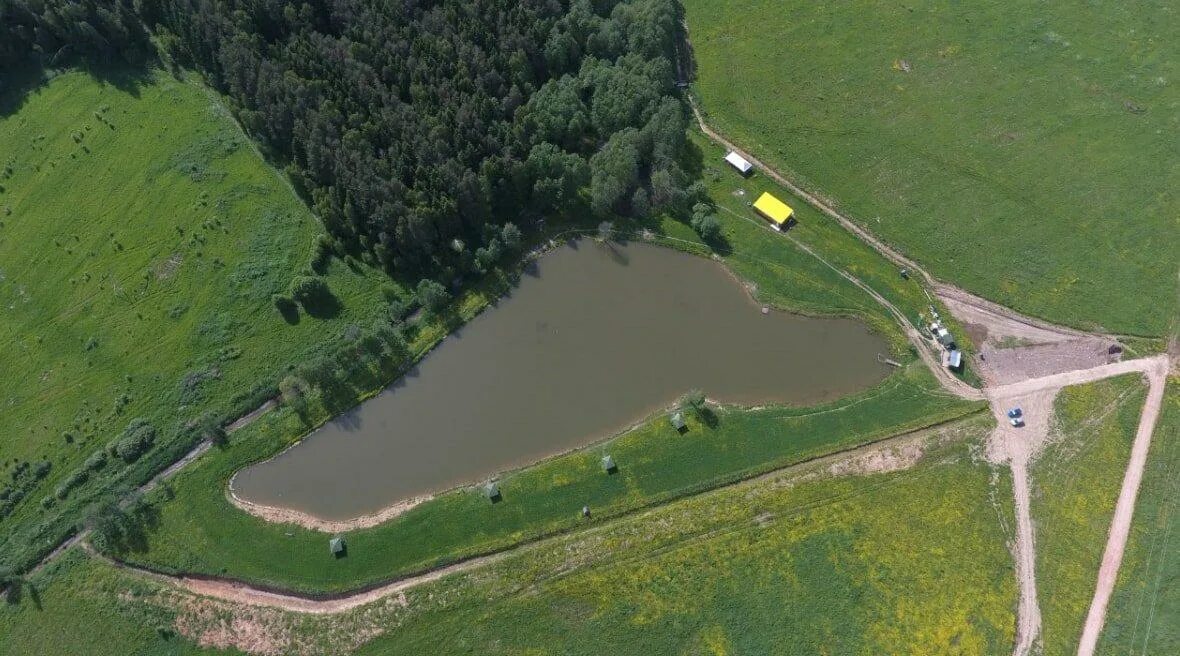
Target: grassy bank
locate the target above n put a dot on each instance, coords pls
(1013, 149)
(788, 276)
(1076, 483)
(141, 241)
(200, 531)
(1144, 612)
(904, 561)
(911, 561)
(80, 606)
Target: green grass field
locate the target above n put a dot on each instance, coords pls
(1023, 155)
(911, 561)
(785, 275)
(1144, 612)
(141, 239)
(81, 606)
(1076, 482)
(200, 531)
(907, 562)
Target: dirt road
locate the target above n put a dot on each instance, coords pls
(1018, 447)
(945, 378)
(889, 454)
(1120, 525)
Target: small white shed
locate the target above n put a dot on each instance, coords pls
(740, 163)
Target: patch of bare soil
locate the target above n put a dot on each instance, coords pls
(1011, 347)
(268, 631)
(167, 268)
(291, 516)
(1000, 366)
(1000, 321)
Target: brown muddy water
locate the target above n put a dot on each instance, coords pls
(594, 338)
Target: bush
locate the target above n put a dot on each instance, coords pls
(41, 469)
(72, 481)
(96, 461)
(511, 237)
(285, 305)
(432, 295)
(315, 297)
(210, 427)
(294, 393)
(305, 289)
(694, 400)
(705, 222)
(136, 439)
(321, 253)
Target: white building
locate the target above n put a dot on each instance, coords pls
(740, 163)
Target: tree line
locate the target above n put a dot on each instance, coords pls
(420, 130)
(56, 31)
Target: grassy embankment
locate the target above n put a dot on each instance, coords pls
(1076, 483)
(1144, 613)
(189, 299)
(1020, 155)
(200, 531)
(906, 562)
(783, 269)
(85, 607)
(141, 240)
(902, 562)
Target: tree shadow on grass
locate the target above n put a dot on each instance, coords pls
(708, 417)
(323, 305)
(22, 80)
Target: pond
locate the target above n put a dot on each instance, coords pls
(594, 338)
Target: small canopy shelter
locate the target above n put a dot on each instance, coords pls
(608, 464)
(677, 420)
(336, 546)
(492, 490)
(954, 359)
(740, 163)
(776, 211)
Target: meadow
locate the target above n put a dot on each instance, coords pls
(904, 561)
(1075, 484)
(1014, 149)
(910, 561)
(141, 241)
(1144, 612)
(785, 275)
(198, 530)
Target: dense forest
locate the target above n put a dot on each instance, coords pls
(421, 130)
(57, 31)
(426, 133)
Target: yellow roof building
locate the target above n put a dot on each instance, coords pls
(773, 208)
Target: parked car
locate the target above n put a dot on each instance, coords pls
(1015, 412)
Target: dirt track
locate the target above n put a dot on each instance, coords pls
(1014, 446)
(889, 454)
(948, 381)
(1019, 446)
(1124, 510)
